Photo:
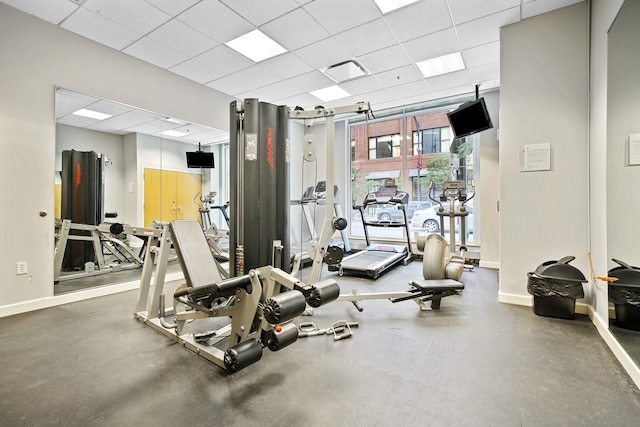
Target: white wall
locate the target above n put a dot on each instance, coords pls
(543, 98)
(36, 57)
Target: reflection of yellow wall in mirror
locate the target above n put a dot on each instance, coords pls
(58, 199)
(170, 195)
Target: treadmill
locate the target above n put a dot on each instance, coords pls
(378, 258)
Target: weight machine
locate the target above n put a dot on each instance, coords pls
(260, 295)
(317, 196)
(104, 238)
(227, 321)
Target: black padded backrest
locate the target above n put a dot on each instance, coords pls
(195, 257)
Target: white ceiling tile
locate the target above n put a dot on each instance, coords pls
(78, 121)
(305, 100)
(213, 64)
(216, 21)
(537, 7)
(244, 80)
(481, 55)
(303, 2)
(230, 85)
(487, 29)
(419, 19)
(294, 30)
(100, 29)
(67, 102)
(262, 11)
(362, 85)
(433, 45)
(484, 73)
(125, 121)
(469, 10)
(385, 59)
(53, 11)
(172, 7)
(446, 81)
(418, 88)
(400, 76)
(324, 53)
(311, 81)
(466, 89)
(366, 38)
(155, 53)
(109, 107)
(380, 96)
(136, 15)
(182, 38)
(340, 15)
(283, 89)
(286, 65)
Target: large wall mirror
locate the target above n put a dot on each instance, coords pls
(623, 175)
(138, 161)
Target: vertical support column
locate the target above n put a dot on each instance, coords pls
(259, 185)
(327, 226)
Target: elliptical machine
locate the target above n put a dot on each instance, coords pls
(440, 261)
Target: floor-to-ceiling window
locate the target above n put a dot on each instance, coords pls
(412, 151)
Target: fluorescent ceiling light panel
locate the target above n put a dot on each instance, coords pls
(91, 114)
(441, 65)
(387, 6)
(176, 121)
(256, 46)
(345, 71)
(330, 93)
(173, 133)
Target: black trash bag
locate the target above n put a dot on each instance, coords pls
(540, 286)
(626, 290)
(624, 294)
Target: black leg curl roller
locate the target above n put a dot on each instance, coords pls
(285, 306)
(323, 292)
(242, 355)
(281, 336)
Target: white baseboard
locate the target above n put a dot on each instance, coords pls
(23, 307)
(490, 264)
(526, 300)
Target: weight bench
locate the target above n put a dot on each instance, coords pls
(432, 290)
(256, 303)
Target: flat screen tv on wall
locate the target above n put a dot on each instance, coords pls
(469, 118)
(200, 159)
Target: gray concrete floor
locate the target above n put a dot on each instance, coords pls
(475, 362)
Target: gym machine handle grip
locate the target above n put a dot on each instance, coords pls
(228, 286)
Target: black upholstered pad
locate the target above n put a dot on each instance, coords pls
(437, 285)
(195, 257)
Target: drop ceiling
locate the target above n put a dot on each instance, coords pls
(188, 37)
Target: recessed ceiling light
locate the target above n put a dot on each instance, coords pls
(344, 71)
(91, 114)
(330, 93)
(173, 133)
(387, 6)
(256, 46)
(441, 65)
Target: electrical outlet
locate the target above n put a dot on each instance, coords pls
(21, 267)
